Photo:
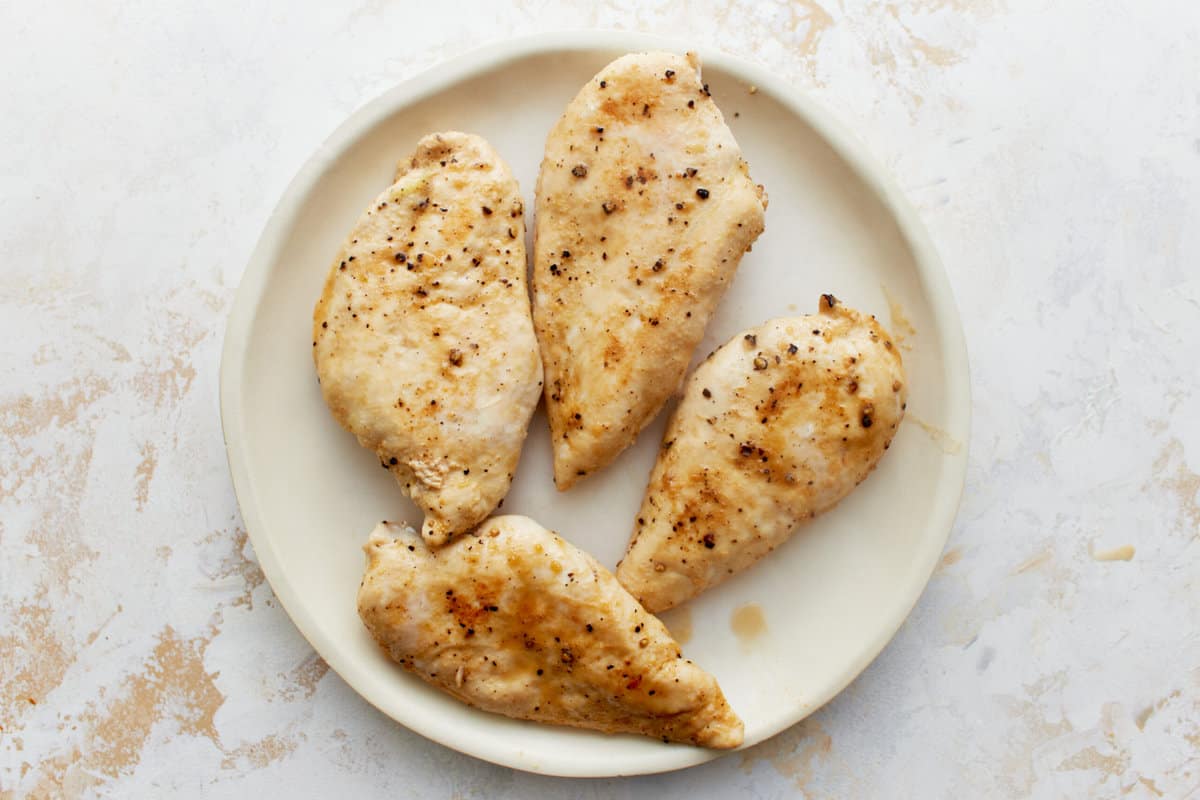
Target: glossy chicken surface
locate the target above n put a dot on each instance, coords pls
(513, 619)
(776, 426)
(644, 209)
(423, 338)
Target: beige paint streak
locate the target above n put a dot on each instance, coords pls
(60, 776)
(1030, 729)
(234, 563)
(1172, 475)
(173, 685)
(144, 474)
(34, 657)
(951, 558)
(937, 56)
(28, 415)
(1149, 784)
(1036, 561)
(301, 682)
(259, 754)
(1144, 716)
(973, 8)
(795, 754)
(63, 408)
(1123, 553)
(165, 385)
(164, 381)
(1092, 759)
(817, 22)
(905, 59)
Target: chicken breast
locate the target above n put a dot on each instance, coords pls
(775, 427)
(516, 621)
(644, 209)
(423, 338)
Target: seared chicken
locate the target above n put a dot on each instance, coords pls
(775, 427)
(423, 338)
(514, 620)
(644, 209)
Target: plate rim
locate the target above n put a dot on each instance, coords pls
(441, 75)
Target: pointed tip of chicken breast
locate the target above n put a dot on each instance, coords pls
(777, 426)
(514, 620)
(451, 147)
(644, 210)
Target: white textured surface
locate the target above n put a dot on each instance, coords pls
(1053, 149)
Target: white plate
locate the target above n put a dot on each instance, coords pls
(832, 597)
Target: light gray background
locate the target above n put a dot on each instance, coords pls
(1053, 150)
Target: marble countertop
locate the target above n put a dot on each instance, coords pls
(1053, 150)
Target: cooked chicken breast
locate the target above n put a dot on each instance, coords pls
(644, 208)
(423, 338)
(516, 621)
(775, 427)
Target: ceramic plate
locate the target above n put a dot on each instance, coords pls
(830, 599)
